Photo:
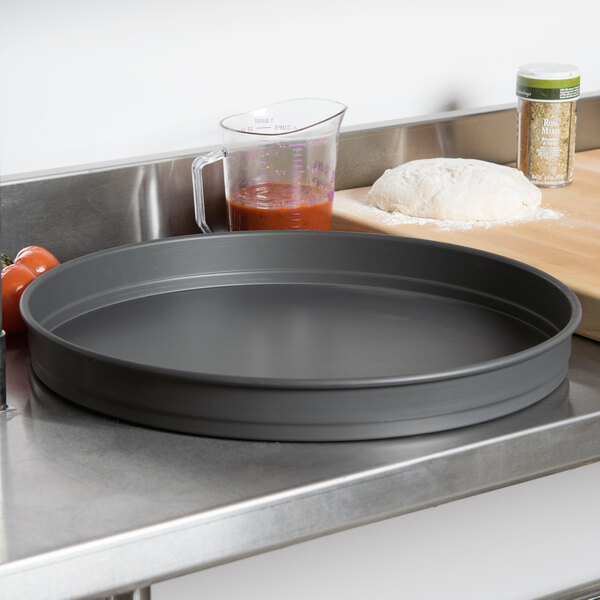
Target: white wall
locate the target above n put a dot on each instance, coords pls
(93, 80)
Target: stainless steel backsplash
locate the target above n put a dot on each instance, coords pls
(99, 206)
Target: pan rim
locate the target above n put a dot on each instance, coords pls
(471, 370)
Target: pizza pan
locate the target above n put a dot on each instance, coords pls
(306, 336)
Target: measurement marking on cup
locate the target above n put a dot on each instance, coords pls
(297, 172)
(265, 153)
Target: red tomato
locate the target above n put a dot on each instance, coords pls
(38, 259)
(15, 278)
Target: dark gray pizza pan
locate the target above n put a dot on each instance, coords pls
(299, 335)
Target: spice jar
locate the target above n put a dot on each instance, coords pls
(547, 111)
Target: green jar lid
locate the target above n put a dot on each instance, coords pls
(548, 82)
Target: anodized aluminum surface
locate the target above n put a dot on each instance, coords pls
(300, 335)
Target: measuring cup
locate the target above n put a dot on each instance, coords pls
(279, 166)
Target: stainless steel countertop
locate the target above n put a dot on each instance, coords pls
(127, 506)
(90, 506)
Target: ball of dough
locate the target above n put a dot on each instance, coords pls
(455, 189)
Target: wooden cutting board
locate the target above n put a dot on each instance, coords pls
(567, 248)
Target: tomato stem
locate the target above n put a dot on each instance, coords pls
(5, 260)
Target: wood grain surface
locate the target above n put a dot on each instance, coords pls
(567, 248)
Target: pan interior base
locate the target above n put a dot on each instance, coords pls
(300, 331)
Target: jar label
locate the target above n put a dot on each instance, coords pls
(547, 142)
(530, 93)
(548, 89)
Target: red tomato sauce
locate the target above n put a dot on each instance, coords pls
(279, 206)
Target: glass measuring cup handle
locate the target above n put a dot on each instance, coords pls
(197, 165)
